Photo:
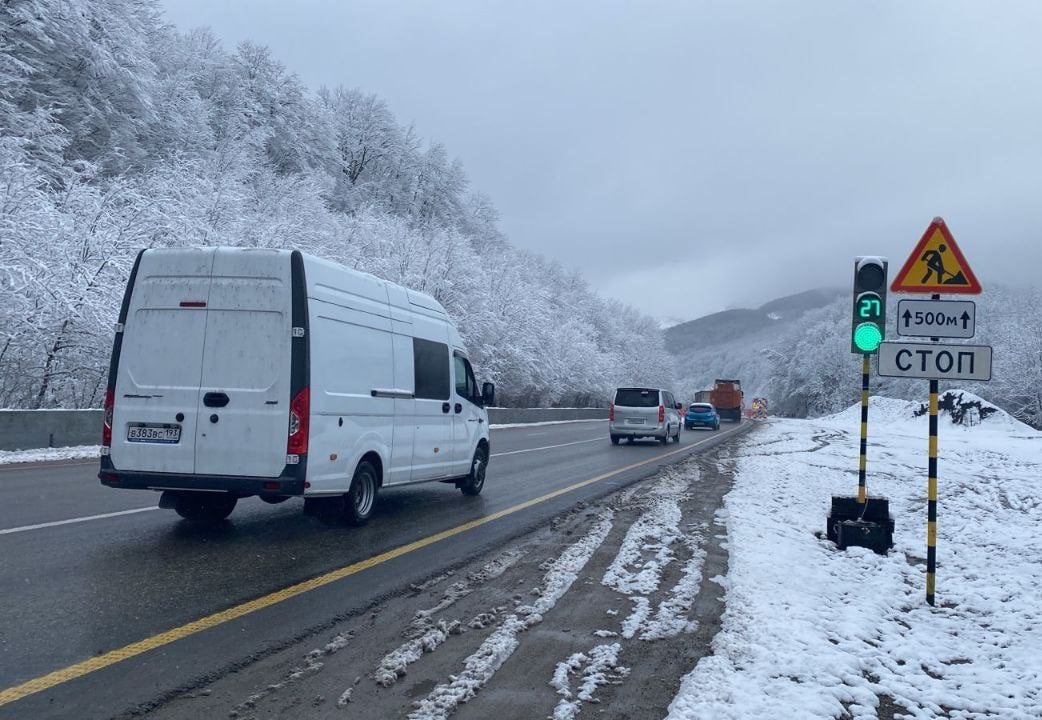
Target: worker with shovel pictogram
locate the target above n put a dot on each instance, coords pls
(934, 260)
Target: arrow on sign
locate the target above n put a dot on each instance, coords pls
(908, 317)
(965, 319)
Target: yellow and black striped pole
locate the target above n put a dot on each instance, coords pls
(863, 462)
(931, 500)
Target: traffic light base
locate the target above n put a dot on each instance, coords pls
(871, 525)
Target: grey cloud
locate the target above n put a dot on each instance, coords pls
(754, 146)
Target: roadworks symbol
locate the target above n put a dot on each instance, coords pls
(936, 265)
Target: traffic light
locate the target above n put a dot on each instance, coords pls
(868, 320)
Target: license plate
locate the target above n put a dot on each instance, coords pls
(165, 434)
(635, 421)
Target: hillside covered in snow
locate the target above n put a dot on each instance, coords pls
(118, 133)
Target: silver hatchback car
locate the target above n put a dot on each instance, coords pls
(637, 412)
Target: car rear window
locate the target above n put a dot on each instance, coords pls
(636, 397)
(701, 408)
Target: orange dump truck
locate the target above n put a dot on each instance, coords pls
(726, 396)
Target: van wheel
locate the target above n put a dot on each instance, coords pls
(614, 439)
(204, 508)
(475, 481)
(361, 498)
(676, 438)
(665, 438)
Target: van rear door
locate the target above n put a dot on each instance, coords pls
(243, 401)
(157, 381)
(637, 408)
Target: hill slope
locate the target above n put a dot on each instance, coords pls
(728, 325)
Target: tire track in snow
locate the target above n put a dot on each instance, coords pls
(600, 666)
(497, 648)
(647, 549)
(429, 635)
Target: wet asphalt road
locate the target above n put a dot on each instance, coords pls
(77, 590)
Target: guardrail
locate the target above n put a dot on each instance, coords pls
(33, 429)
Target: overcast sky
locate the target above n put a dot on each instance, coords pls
(692, 156)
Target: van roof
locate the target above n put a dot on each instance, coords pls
(405, 295)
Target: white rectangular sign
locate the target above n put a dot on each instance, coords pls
(935, 361)
(937, 318)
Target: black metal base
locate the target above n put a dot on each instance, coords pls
(871, 525)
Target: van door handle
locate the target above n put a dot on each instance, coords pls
(215, 399)
(445, 407)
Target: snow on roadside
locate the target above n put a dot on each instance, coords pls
(600, 666)
(481, 665)
(646, 550)
(395, 662)
(77, 452)
(428, 635)
(811, 632)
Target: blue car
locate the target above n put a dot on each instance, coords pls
(702, 415)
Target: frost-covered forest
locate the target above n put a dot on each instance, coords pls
(119, 133)
(806, 369)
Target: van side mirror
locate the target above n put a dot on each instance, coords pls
(680, 406)
(488, 394)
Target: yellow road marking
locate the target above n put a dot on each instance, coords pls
(85, 667)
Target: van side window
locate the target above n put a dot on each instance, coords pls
(466, 386)
(431, 366)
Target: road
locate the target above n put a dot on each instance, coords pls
(83, 589)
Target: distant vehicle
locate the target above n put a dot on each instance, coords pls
(702, 396)
(701, 415)
(726, 397)
(239, 372)
(637, 412)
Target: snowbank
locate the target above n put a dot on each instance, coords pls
(956, 407)
(811, 632)
(80, 452)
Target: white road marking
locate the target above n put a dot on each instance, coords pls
(548, 447)
(70, 521)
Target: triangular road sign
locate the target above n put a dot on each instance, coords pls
(937, 265)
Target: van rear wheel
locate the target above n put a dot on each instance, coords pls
(204, 508)
(475, 481)
(361, 498)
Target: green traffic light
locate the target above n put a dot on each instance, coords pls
(867, 337)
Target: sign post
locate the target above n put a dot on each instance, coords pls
(936, 265)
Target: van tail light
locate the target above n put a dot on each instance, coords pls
(106, 428)
(662, 413)
(611, 412)
(299, 414)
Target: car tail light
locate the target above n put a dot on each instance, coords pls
(106, 428)
(299, 413)
(662, 413)
(611, 412)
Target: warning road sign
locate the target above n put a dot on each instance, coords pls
(936, 266)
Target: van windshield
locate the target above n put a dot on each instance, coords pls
(636, 397)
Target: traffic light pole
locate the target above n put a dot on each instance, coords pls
(863, 460)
